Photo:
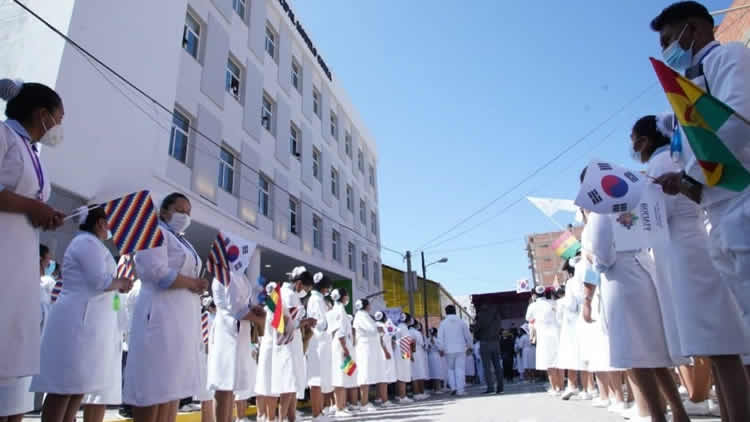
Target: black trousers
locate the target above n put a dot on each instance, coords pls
(490, 352)
(508, 366)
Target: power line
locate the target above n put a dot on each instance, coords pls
(469, 248)
(89, 56)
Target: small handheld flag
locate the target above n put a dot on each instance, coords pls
(126, 267)
(56, 291)
(405, 345)
(348, 366)
(273, 302)
(609, 189)
(566, 246)
(217, 261)
(133, 222)
(204, 327)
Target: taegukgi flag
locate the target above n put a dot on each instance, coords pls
(608, 188)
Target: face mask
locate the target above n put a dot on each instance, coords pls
(635, 155)
(50, 268)
(179, 222)
(677, 57)
(52, 136)
(327, 293)
(302, 293)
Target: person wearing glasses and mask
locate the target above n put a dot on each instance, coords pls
(164, 349)
(34, 113)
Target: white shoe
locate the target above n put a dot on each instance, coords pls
(714, 408)
(585, 396)
(191, 407)
(697, 409)
(569, 392)
(631, 414)
(683, 391)
(405, 400)
(600, 403)
(620, 407)
(369, 408)
(343, 413)
(388, 403)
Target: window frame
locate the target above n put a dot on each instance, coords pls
(363, 212)
(361, 161)
(226, 169)
(350, 198)
(264, 195)
(373, 222)
(372, 175)
(229, 75)
(296, 77)
(267, 113)
(365, 266)
(335, 244)
(294, 141)
(189, 30)
(335, 188)
(177, 114)
(317, 99)
(348, 144)
(334, 125)
(351, 252)
(243, 5)
(316, 158)
(317, 225)
(294, 210)
(271, 37)
(375, 274)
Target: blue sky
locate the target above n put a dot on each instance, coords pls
(467, 98)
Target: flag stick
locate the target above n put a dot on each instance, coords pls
(78, 211)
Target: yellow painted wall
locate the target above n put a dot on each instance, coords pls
(397, 296)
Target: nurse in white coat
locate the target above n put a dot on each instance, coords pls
(81, 342)
(319, 371)
(403, 360)
(341, 349)
(267, 401)
(369, 352)
(542, 315)
(231, 367)
(164, 349)
(34, 113)
(436, 363)
(419, 364)
(387, 357)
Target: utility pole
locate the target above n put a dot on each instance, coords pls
(424, 294)
(410, 283)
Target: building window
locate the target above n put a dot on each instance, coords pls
(351, 257)
(362, 212)
(316, 102)
(316, 163)
(234, 76)
(349, 198)
(264, 195)
(317, 230)
(226, 170)
(334, 182)
(334, 126)
(191, 35)
(372, 176)
(178, 137)
(375, 274)
(296, 75)
(335, 240)
(239, 7)
(294, 141)
(361, 160)
(348, 144)
(373, 223)
(293, 211)
(266, 114)
(270, 41)
(365, 264)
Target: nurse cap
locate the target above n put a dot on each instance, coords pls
(9, 88)
(270, 287)
(403, 317)
(539, 290)
(207, 301)
(297, 271)
(378, 316)
(335, 295)
(317, 277)
(359, 305)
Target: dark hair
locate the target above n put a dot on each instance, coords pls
(171, 199)
(43, 250)
(306, 278)
(31, 97)
(343, 293)
(328, 300)
(324, 283)
(450, 310)
(646, 126)
(680, 12)
(365, 303)
(433, 331)
(95, 214)
(382, 318)
(560, 292)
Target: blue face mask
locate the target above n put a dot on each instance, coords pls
(591, 277)
(50, 268)
(677, 57)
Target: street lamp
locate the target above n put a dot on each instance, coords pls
(424, 287)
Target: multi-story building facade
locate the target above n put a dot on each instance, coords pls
(544, 264)
(257, 132)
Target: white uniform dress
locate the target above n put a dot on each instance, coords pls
(388, 374)
(692, 278)
(419, 369)
(403, 363)
(164, 349)
(632, 314)
(340, 328)
(205, 393)
(265, 359)
(19, 259)
(288, 366)
(230, 363)
(569, 309)
(436, 363)
(369, 352)
(319, 370)
(543, 315)
(81, 340)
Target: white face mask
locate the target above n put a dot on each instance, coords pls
(52, 136)
(179, 222)
(302, 293)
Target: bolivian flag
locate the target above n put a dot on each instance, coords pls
(701, 116)
(273, 302)
(566, 246)
(348, 366)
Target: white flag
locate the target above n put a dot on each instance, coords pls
(609, 188)
(238, 251)
(523, 285)
(551, 206)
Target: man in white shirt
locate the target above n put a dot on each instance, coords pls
(454, 340)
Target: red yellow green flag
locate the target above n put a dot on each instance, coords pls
(273, 302)
(566, 246)
(701, 115)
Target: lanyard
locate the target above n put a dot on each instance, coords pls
(186, 244)
(37, 168)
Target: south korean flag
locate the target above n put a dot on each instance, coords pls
(609, 189)
(238, 251)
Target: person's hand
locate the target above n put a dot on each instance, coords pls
(123, 285)
(307, 322)
(258, 311)
(587, 311)
(669, 182)
(42, 215)
(345, 352)
(387, 355)
(198, 286)
(380, 330)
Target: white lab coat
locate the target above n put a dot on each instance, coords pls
(340, 328)
(230, 363)
(726, 70)
(205, 392)
(388, 374)
(265, 359)
(436, 363)
(692, 279)
(82, 338)
(369, 352)
(419, 369)
(403, 364)
(569, 310)
(19, 258)
(46, 283)
(632, 314)
(319, 370)
(543, 316)
(288, 367)
(165, 337)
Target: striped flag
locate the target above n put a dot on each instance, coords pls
(566, 246)
(273, 302)
(405, 344)
(133, 222)
(56, 291)
(204, 327)
(217, 263)
(349, 366)
(126, 267)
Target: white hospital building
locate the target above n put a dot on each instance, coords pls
(286, 160)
